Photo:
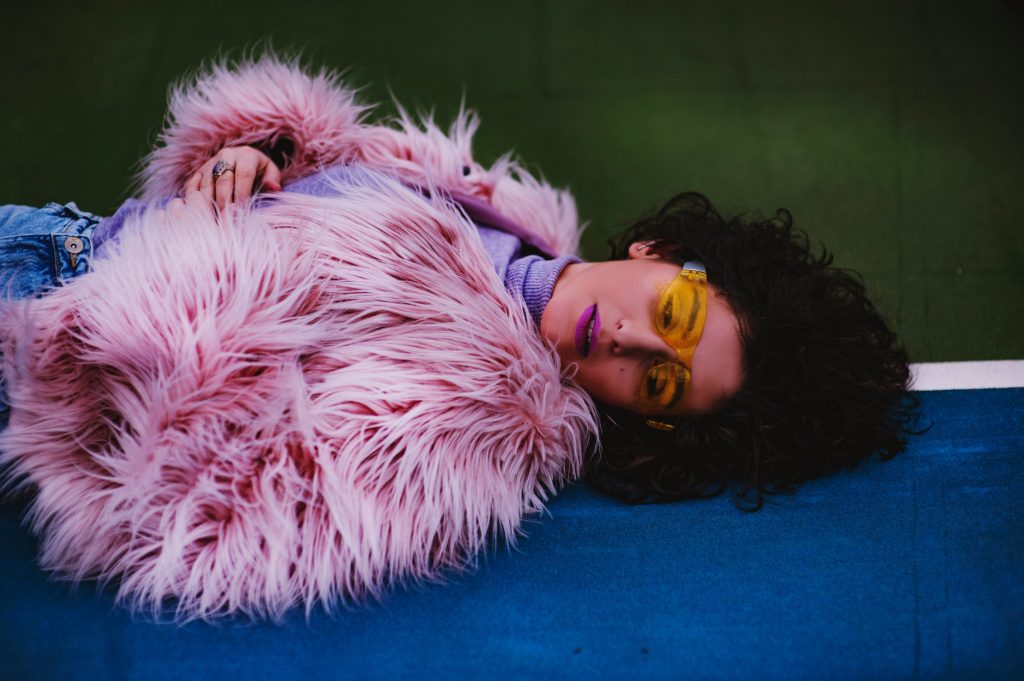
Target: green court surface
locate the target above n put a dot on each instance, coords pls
(891, 130)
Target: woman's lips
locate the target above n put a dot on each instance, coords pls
(586, 330)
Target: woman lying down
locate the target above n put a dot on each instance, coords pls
(319, 356)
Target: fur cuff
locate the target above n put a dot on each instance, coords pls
(272, 103)
(260, 103)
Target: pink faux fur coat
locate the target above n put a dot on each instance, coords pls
(303, 403)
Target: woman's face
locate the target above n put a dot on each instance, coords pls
(615, 301)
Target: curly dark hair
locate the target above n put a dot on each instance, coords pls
(824, 383)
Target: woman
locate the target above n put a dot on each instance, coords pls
(339, 391)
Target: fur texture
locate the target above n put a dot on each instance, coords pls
(304, 403)
(297, 405)
(270, 99)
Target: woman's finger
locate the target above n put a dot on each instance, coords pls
(206, 178)
(193, 182)
(245, 176)
(175, 207)
(196, 199)
(224, 185)
(271, 177)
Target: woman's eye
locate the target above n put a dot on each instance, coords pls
(664, 384)
(666, 313)
(652, 382)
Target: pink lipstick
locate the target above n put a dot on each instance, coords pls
(586, 330)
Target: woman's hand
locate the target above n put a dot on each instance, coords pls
(193, 199)
(245, 172)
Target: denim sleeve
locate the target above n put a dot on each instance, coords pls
(41, 249)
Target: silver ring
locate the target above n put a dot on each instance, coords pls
(221, 167)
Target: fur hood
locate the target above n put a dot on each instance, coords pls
(300, 404)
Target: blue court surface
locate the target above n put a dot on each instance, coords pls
(910, 569)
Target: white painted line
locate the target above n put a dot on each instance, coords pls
(967, 375)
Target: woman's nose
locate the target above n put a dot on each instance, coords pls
(629, 338)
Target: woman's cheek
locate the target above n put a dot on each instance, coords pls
(606, 382)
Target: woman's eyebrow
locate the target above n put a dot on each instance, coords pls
(694, 313)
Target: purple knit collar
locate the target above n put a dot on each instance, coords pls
(533, 278)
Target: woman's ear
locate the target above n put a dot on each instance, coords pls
(641, 250)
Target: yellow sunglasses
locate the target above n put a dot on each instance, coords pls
(679, 319)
